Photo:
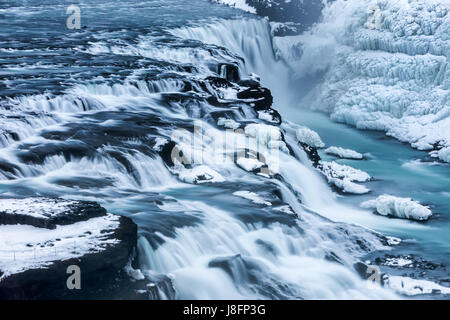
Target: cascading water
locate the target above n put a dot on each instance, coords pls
(218, 229)
(252, 40)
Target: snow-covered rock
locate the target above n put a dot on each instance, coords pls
(47, 213)
(411, 287)
(309, 137)
(398, 262)
(200, 174)
(443, 154)
(348, 186)
(344, 177)
(404, 208)
(271, 116)
(344, 153)
(255, 198)
(336, 170)
(239, 4)
(40, 238)
(267, 136)
(159, 143)
(227, 123)
(385, 67)
(249, 164)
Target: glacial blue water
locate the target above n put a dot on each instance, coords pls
(398, 170)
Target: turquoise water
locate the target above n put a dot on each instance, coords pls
(397, 169)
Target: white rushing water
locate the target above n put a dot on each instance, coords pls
(227, 249)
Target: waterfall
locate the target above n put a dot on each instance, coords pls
(100, 142)
(250, 39)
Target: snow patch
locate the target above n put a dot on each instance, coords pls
(393, 241)
(412, 287)
(249, 164)
(309, 137)
(200, 174)
(159, 143)
(344, 153)
(42, 208)
(266, 116)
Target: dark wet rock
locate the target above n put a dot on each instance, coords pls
(365, 272)
(166, 153)
(8, 169)
(84, 182)
(171, 152)
(100, 255)
(162, 223)
(250, 83)
(232, 114)
(287, 29)
(229, 72)
(333, 257)
(219, 82)
(361, 269)
(312, 153)
(260, 98)
(10, 135)
(275, 117)
(410, 261)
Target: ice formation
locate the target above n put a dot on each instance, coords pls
(309, 137)
(40, 208)
(385, 66)
(344, 177)
(249, 164)
(200, 174)
(344, 153)
(412, 287)
(405, 208)
(266, 135)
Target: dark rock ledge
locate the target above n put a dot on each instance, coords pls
(41, 237)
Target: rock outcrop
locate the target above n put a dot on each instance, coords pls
(41, 237)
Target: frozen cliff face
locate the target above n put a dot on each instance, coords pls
(385, 66)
